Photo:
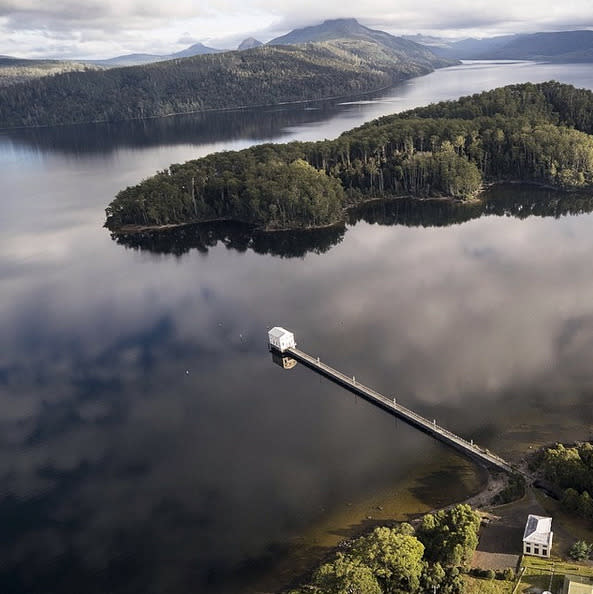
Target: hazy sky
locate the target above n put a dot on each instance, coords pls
(105, 28)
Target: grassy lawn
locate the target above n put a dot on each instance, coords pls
(537, 574)
(539, 571)
(475, 585)
(535, 565)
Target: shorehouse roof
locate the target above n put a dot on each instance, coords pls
(538, 530)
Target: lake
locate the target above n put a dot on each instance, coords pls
(149, 443)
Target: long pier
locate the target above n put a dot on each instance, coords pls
(468, 448)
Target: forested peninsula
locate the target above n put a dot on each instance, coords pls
(536, 133)
(261, 76)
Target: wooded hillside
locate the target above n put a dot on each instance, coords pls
(260, 76)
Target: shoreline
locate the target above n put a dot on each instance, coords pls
(347, 209)
(490, 484)
(475, 200)
(493, 484)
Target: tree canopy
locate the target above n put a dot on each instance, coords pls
(346, 575)
(571, 469)
(450, 536)
(396, 560)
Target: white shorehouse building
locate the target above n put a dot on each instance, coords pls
(537, 538)
(281, 339)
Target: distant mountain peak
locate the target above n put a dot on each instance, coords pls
(197, 49)
(350, 30)
(328, 30)
(198, 45)
(342, 22)
(249, 43)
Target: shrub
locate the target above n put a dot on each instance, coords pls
(579, 551)
(508, 574)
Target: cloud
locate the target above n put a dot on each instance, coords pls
(153, 26)
(187, 39)
(67, 12)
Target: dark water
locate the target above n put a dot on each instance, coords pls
(149, 444)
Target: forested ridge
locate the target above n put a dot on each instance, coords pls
(536, 133)
(260, 76)
(15, 70)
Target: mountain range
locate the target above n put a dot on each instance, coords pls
(329, 30)
(197, 49)
(562, 46)
(376, 46)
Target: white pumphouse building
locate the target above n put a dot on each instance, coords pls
(537, 538)
(281, 339)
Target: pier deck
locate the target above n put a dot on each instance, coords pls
(468, 448)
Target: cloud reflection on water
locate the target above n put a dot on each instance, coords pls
(122, 472)
(118, 451)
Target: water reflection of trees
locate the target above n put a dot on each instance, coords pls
(507, 200)
(411, 212)
(197, 128)
(235, 236)
(522, 202)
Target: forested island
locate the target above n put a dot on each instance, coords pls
(535, 133)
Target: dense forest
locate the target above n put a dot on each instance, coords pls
(531, 133)
(260, 76)
(403, 559)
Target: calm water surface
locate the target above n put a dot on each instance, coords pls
(149, 444)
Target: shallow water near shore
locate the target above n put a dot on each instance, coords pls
(148, 441)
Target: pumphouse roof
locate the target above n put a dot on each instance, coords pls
(278, 331)
(538, 530)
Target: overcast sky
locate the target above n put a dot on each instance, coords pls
(106, 28)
